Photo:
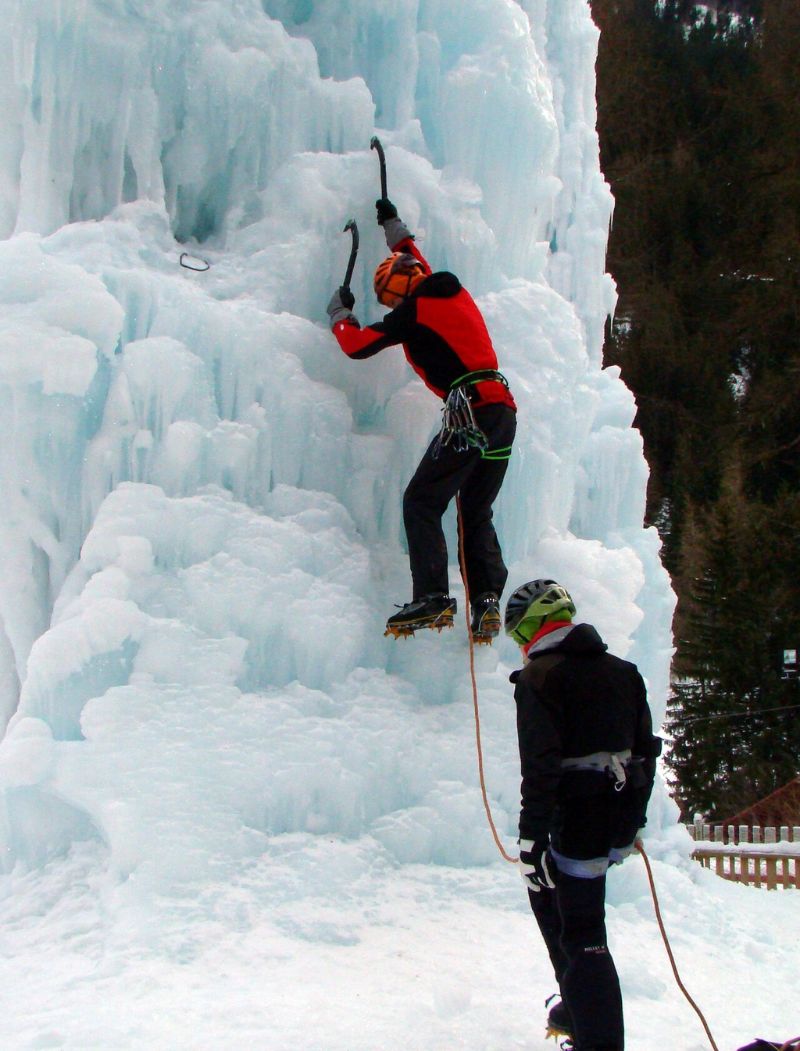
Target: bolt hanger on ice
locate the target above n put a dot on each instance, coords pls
(194, 262)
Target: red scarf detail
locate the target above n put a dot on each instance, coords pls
(545, 630)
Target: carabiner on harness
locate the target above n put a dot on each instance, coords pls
(459, 427)
(611, 764)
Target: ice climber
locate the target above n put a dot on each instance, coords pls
(588, 760)
(446, 342)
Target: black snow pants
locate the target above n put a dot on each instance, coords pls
(572, 921)
(477, 479)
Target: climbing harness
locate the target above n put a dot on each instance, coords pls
(459, 428)
(501, 453)
(613, 764)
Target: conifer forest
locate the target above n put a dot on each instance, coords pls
(699, 122)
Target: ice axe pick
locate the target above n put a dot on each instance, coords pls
(375, 144)
(353, 228)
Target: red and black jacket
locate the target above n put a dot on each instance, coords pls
(442, 332)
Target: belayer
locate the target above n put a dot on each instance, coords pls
(446, 342)
(588, 761)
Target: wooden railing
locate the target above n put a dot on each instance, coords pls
(760, 857)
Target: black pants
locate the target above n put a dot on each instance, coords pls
(572, 921)
(477, 480)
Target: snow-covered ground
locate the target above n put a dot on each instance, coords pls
(330, 945)
(233, 814)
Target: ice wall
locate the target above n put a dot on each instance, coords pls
(203, 532)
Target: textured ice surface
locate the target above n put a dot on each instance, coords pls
(204, 495)
(233, 814)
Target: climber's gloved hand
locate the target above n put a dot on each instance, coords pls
(394, 229)
(340, 306)
(618, 854)
(534, 864)
(385, 209)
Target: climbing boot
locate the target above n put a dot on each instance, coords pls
(485, 618)
(559, 1023)
(430, 611)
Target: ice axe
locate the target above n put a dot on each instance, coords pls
(375, 144)
(353, 228)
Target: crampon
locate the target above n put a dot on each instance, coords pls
(559, 1025)
(562, 1039)
(485, 619)
(432, 611)
(483, 640)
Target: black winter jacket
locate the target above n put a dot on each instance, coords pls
(574, 699)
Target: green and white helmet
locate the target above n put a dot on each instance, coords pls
(532, 604)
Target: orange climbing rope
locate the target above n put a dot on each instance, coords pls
(475, 707)
(681, 986)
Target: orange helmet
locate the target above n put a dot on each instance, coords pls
(397, 277)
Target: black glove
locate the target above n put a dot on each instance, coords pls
(340, 306)
(534, 864)
(618, 854)
(386, 210)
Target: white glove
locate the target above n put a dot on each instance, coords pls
(534, 864)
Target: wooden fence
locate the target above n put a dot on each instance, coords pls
(760, 857)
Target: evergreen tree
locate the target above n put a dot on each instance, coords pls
(767, 314)
(699, 123)
(734, 723)
(673, 153)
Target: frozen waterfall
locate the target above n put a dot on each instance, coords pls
(232, 813)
